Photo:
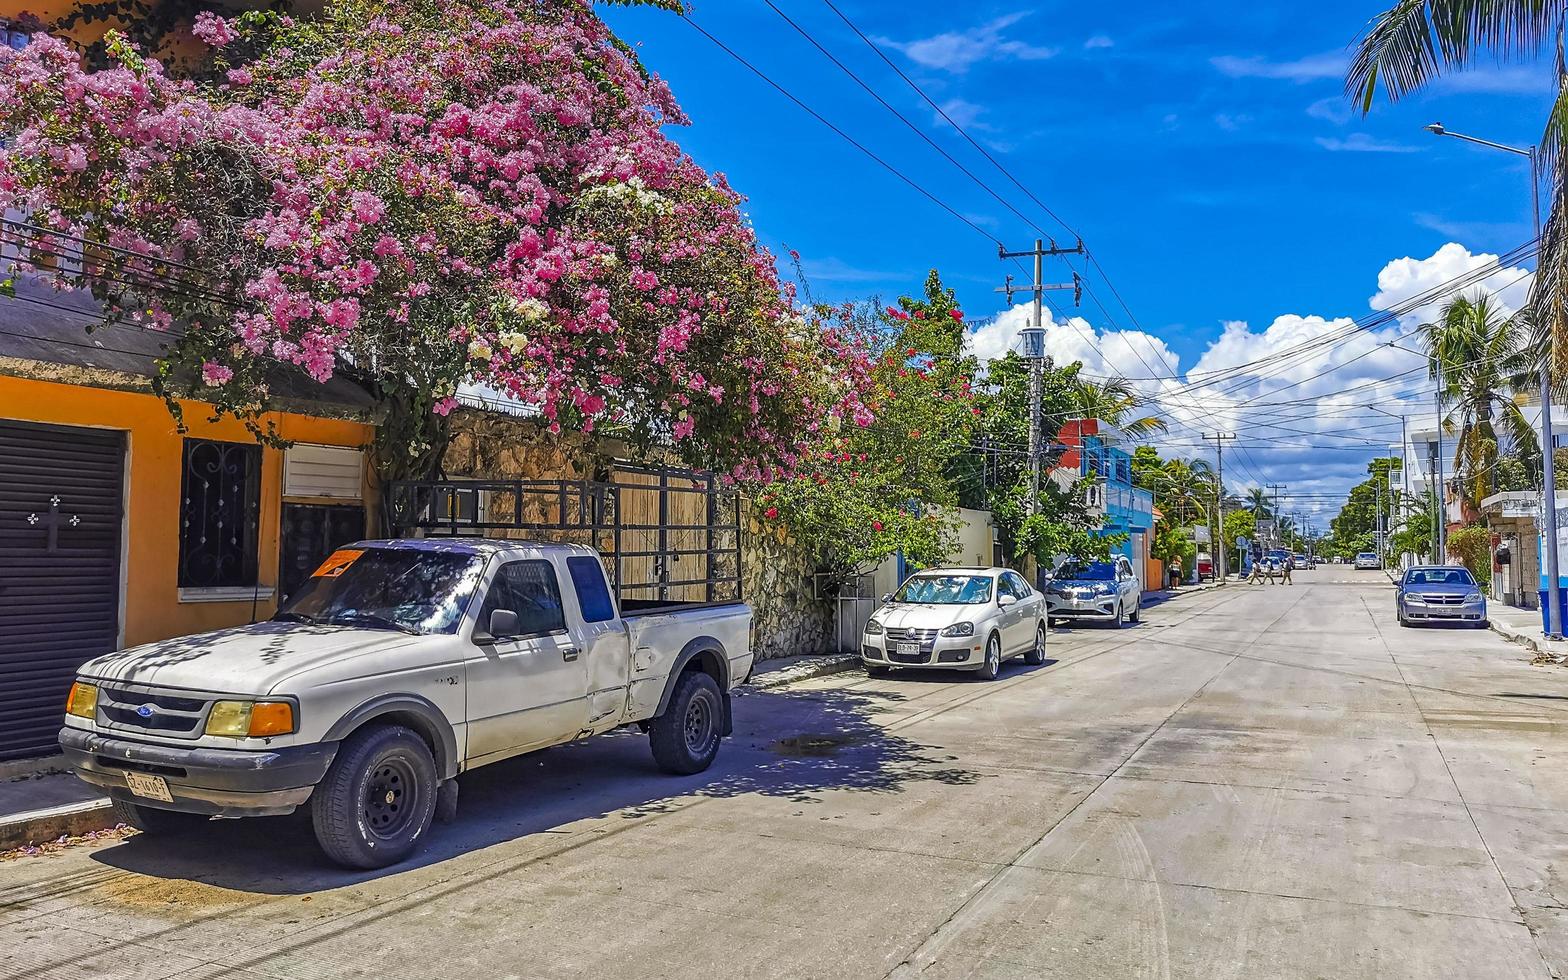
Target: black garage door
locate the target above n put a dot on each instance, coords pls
(60, 499)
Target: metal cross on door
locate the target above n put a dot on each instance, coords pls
(52, 520)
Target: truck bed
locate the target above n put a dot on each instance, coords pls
(658, 636)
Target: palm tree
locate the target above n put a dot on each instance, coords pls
(1416, 41)
(1258, 502)
(1115, 401)
(1483, 359)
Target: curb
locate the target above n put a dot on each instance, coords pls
(1521, 638)
(69, 820)
(833, 663)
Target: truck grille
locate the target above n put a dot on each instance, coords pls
(145, 711)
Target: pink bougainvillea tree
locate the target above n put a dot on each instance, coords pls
(426, 193)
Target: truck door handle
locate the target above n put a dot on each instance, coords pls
(569, 654)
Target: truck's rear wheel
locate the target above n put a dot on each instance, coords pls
(685, 739)
(153, 821)
(377, 799)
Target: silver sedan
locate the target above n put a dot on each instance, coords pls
(957, 619)
(1439, 593)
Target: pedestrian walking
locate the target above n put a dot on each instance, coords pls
(1257, 572)
(1284, 570)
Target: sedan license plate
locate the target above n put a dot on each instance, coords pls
(909, 648)
(152, 787)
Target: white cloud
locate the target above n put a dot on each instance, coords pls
(1294, 391)
(1098, 41)
(1362, 143)
(1406, 278)
(1103, 352)
(956, 51)
(1335, 109)
(1230, 122)
(963, 112)
(1330, 64)
(1518, 80)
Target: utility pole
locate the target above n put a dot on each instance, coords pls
(1219, 439)
(1276, 487)
(1034, 342)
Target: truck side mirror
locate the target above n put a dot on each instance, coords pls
(503, 622)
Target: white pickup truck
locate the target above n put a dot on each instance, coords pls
(398, 665)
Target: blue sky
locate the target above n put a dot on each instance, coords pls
(1205, 152)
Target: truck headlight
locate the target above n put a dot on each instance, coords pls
(959, 629)
(239, 719)
(873, 628)
(82, 702)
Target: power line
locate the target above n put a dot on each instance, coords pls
(843, 135)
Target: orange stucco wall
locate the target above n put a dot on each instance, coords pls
(151, 609)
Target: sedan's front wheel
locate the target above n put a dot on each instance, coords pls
(993, 659)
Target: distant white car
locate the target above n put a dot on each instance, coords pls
(1366, 560)
(956, 619)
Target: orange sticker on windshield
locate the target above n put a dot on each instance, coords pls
(337, 564)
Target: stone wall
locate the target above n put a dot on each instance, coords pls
(776, 581)
(775, 575)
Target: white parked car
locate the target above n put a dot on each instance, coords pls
(1367, 560)
(956, 619)
(1106, 591)
(396, 666)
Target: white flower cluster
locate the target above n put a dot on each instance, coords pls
(631, 191)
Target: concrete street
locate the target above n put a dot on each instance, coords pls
(1257, 782)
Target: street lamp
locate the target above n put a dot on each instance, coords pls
(1554, 625)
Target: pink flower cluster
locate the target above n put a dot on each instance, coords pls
(492, 201)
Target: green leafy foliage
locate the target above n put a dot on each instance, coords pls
(1472, 546)
(873, 491)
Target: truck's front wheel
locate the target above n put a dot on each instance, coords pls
(377, 799)
(685, 738)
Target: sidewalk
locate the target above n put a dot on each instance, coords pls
(1523, 626)
(1156, 597)
(42, 802)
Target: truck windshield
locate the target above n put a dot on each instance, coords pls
(403, 589)
(946, 590)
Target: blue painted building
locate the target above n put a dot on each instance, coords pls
(1095, 454)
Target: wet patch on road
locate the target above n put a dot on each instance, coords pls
(814, 746)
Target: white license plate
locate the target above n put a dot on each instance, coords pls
(152, 787)
(909, 648)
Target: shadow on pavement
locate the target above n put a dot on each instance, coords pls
(789, 744)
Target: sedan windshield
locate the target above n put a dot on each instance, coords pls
(1087, 571)
(946, 590)
(387, 588)
(1438, 576)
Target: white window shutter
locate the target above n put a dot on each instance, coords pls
(323, 471)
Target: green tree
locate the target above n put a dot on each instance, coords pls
(1062, 523)
(1353, 529)
(1257, 501)
(1114, 400)
(1481, 356)
(1472, 545)
(891, 486)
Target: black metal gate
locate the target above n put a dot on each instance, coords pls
(60, 520)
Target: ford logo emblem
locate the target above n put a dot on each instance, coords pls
(145, 711)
